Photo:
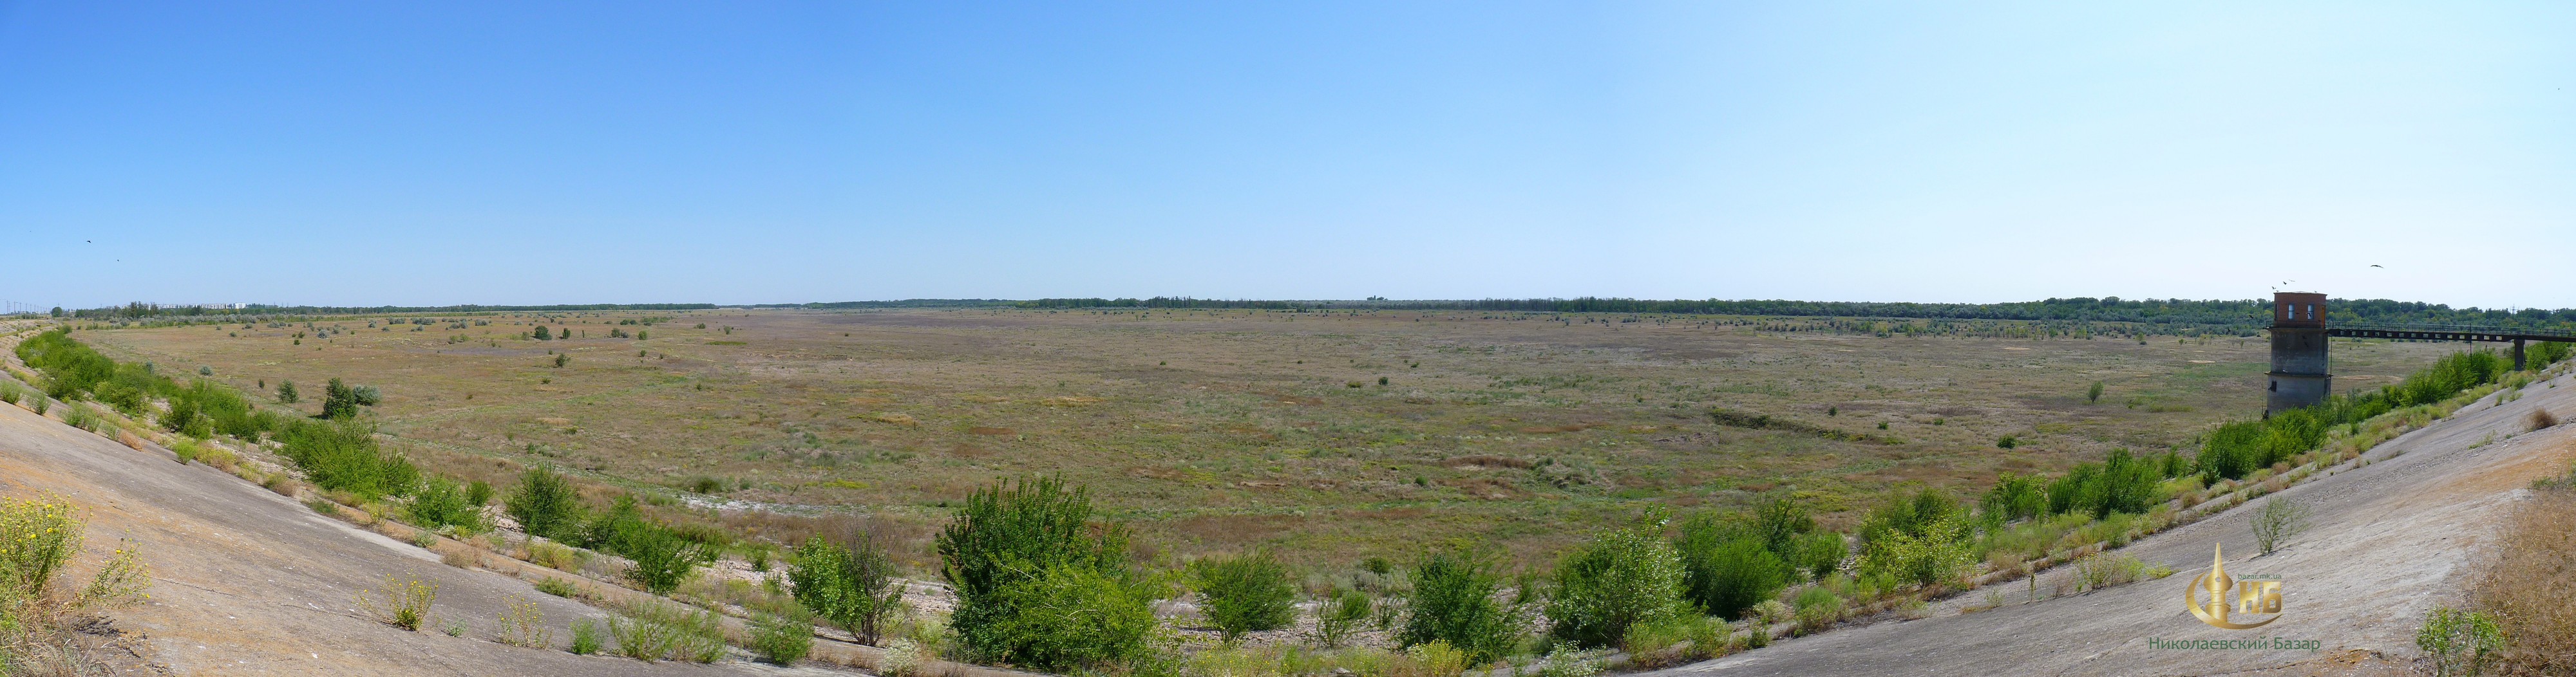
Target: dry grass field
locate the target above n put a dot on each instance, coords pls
(1324, 436)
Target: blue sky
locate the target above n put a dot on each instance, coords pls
(435, 153)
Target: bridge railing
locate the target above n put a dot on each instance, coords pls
(2539, 334)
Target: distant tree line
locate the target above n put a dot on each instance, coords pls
(2203, 316)
(141, 309)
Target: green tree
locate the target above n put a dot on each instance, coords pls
(853, 587)
(339, 401)
(541, 334)
(286, 392)
(1624, 577)
(2093, 394)
(545, 504)
(1245, 593)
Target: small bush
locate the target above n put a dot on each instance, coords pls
(2459, 641)
(653, 631)
(403, 602)
(556, 556)
(1069, 617)
(853, 587)
(1623, 577)
(1245, 593)
(781, 639)
(1338, 615)
(1817, 608)
(1031, 541)
(1726, 568)
(2540, 418)
(902, 658)
(545, 504)
(1454, 604)
(523, 624)
(1682, 638)
(442, 503)
(2279, 520)
(585, 637)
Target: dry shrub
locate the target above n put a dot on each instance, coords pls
(2532, 587)
(127, 438)
(461, 558)
(2541, 418)
(284, 484)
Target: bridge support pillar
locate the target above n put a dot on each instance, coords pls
(2298, 377)
(2517, 354)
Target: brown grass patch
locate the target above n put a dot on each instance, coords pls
(2532, 588)
(870, 401)
(990, 430)
(2541, 418)
(1484, 462)
(897, 419)
(1548, 429)
(1487, 488)
(127, 438)
(964, 450)
(1070, 401)
(984, 399)
(551, 420)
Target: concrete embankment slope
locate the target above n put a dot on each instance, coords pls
(2389, 540)
(248, 582)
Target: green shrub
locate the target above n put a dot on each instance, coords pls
(2014, 497)
(1910, 515)
(2459, 641)
(478, 493)
(1623, 577)
(662, 558)
(1453, 603)
(781, 639)
(1020, 550)
(10, 392)
(341, 401)
(557, 587)
(1725, 567)
(286, 392)
(655, 630)
(545, 504)
(853, 587)
(1069, 616)
(585, 637)
(441, 503)
(1933, 553)
(1245, 593)
(343, 456)
(1340, 614)
(1819, 553)
(1817, 607)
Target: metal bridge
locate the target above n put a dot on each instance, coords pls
(2448, 332)
(2299, 332)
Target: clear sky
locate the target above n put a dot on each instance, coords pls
(743, 152)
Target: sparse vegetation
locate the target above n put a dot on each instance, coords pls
(2459, 641)
(2277, 522)
(782, 639)
(523, 624)
(402, 602)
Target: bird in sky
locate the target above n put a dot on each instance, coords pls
(2374, 265)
